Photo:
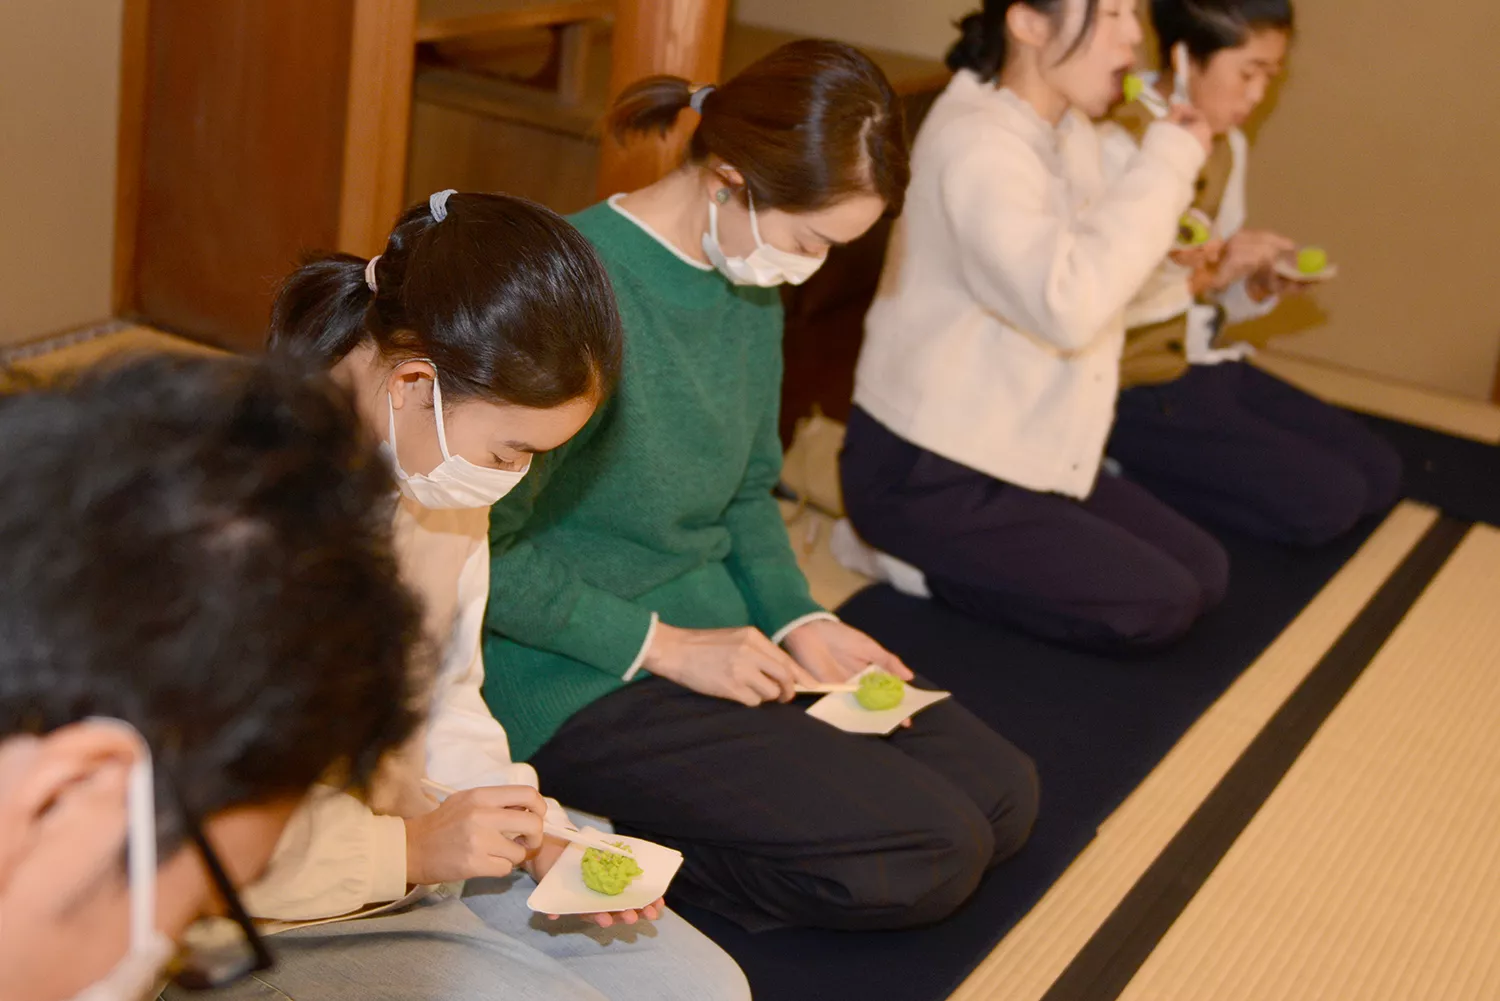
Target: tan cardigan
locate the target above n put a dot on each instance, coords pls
(1167, 328)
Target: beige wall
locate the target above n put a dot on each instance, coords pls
(917, 27)
(59, 96)
(1394, 165)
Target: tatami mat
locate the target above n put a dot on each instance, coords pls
(1453, 415)
(810, 530)
(47, 359)
(1373, 871)
(1039, 948)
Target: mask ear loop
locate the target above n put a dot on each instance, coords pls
(437, 409)
(754, 222)
(140, 810)
(140, 837)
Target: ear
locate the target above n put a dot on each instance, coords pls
(1028, 26)
(410, 381)
(726, 175)
(65, 792)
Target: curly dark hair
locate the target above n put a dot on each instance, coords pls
(202, 548)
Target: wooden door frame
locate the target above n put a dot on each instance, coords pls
(377, 130)
(129, 147)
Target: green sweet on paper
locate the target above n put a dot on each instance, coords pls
(607, 872)
(878, 690)
(1192, 230)
(1311, 260)
(1134, 86)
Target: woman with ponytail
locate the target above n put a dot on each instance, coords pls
(648, 626)
(987, 381)
(483, 335)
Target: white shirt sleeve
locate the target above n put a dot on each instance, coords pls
(1063, 276)
(467, 748)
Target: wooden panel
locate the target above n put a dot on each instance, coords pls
(378, 122)
(681, 37)
(443, 19)
(242, 159)
(455, 148)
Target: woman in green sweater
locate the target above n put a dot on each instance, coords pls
(647, 621)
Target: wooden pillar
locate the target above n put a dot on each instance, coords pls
(681, 37)
(252, 132)
(377, 129)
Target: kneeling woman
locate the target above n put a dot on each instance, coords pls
(648, 621)
(986, 385)
(486, 333)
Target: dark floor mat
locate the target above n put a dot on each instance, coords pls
(1096, 727)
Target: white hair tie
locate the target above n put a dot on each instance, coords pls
(699, 96)
(438, 204)
(370, 273)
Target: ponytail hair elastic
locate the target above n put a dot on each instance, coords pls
(370, 273)
(695, 101)
(437, 204)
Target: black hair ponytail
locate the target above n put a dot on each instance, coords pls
(320, 310)
(981, 44)
(507, 300)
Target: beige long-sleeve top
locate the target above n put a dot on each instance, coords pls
(341, 856)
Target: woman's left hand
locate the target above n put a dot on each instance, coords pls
(551, 851)
(834, 652)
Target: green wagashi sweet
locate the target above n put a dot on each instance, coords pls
(878, 690)
(1192, 231)
(607, 872)
(1311, 260)
(1134, 86)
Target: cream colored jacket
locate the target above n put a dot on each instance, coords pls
(995, 338)
(341, 856)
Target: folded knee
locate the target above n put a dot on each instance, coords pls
(1155, 621)
(1015, 814)
(925, 881)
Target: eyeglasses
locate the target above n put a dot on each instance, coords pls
(217, 952)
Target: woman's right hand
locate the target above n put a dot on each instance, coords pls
(742, 665)
(1188, 117)
(476, 832)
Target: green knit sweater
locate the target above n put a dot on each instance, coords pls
(661, 504)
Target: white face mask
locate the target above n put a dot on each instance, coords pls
(456, 482)
(138, 973)
(765, 266)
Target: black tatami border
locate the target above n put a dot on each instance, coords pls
(1112, 957)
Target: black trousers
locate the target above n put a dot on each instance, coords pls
(1117, 571)
(784, 820)
(1234, 447)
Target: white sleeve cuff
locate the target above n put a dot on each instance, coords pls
(1239, 307)
(388, 855)
(795, 624)
(640, 658)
